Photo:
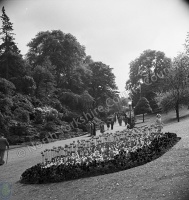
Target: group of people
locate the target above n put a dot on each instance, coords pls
(91, 128)
(110, 123)
(122, 117)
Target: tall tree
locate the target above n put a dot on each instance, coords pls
(177, 92)
(11, 62)
(64, 52)
(102, 83)
(147, 74)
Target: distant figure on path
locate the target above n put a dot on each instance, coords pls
(125, 119)
(108, 123)
(93, 128)
(120, 120)
(88, 127)
(3, 144)
(112, 123)
(115, 119)
(158, 123)
(102, 127)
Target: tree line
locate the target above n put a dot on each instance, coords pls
(54, 72)
(160, 81)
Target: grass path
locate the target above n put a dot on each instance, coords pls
(164, 178)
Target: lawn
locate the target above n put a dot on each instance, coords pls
(168, 118)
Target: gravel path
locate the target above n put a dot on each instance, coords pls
(166, 178)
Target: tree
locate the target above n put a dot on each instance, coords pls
(64, 52)
(25, 85)
(147, 75)
(177, 91)
(80, 102)
(44, 81)
(142, 107)
(11, 62)
(102, 84)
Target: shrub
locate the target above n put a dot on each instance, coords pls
(50, 126)
(22, 101)
(6, 104)
(25, 85)
(21, 115)
(4, 124)
(56, 104)
(19, 129)
(14, 140)
(6, 87)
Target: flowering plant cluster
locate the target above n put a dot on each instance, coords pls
(101, 148)
(47, 110)
(45, 113)
(108, 153)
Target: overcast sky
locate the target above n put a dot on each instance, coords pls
(114, 32)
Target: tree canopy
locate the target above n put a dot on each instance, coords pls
(147, 75)
(11, 62)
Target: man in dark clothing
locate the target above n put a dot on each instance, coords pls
(3, 144)
(125, 119)
(112, 123)
(108, 123)
(94, 128)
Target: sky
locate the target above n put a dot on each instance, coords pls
(114, 32)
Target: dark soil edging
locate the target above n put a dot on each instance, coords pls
(39, 175)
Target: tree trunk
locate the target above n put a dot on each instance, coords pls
(143, 117)
(177, 111)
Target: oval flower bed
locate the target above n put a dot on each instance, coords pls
(124, 150)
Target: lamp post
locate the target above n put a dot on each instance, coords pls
(141, 82)
(130, 103)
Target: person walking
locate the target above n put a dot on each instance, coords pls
(3, 145)
(91, 128)
(125, 119)
(158, 123)
(94, 128)
(120, 120)
(108, 123)
(115, 119)
(102, 127)
(112, 123)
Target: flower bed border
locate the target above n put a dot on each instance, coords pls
(39, 175)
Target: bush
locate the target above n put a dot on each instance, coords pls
(22, 101)
(35, 102)
(55, 103)
(4, 124)
(6, 87)
(50, 126)
(21, 115)
(25, 85)
(14, 140)
(6, 104)
(19, 129)
(45, 114)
